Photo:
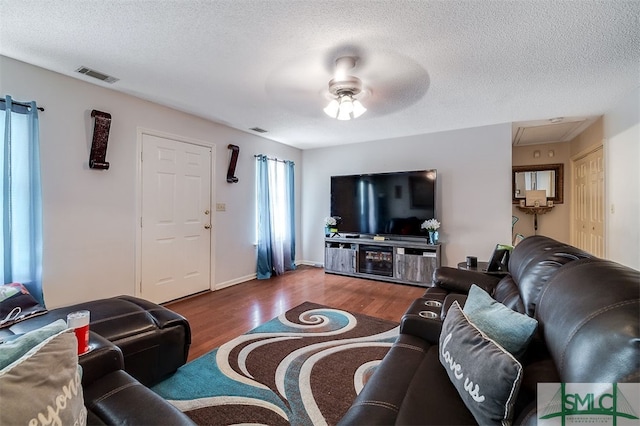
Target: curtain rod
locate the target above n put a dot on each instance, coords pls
(272, 158)
(22, 104)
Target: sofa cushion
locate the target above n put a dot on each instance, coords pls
(511, 330)
(431, 398)
(486, 376)
(379, 401)
(589, 318)
(541, 264)
(44, 385)
(119, 399)
(506, 292)
(17, 304)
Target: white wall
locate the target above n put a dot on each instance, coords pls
(622, 180)
(473, 189)
(90, 216)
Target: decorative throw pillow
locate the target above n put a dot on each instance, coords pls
(44, 385)
(486, 376)
(17, 304)
(508, 328)
(12, 350)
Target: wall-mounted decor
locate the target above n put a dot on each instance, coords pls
(235, 150)
(101, 126)
(547, 177)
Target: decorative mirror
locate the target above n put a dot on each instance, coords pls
(548, 177)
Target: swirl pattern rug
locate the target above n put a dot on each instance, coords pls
(304, 367)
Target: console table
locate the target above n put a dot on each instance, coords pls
(402, 260)
(535, 211)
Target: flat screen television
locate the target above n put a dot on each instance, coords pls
(384, 203)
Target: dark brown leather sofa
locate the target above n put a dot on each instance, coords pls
(588, 332)
(133, 344)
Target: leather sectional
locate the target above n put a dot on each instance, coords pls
(133, 344)
(587, 312)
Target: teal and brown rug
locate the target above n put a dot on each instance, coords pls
(304, 367)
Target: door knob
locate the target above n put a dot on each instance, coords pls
(207, 226)
(206, 211)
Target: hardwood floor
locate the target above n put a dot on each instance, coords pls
(219, 316)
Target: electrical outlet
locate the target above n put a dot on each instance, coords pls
(221, 207)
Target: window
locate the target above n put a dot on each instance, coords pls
(21, 196)
(275, 216)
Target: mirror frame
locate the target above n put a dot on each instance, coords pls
(559, 181)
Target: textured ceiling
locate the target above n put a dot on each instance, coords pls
(428, 65)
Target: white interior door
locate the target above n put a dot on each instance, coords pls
(176, 219)
(588, 208)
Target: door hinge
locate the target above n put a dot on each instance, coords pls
(141, 287)
(140, 221)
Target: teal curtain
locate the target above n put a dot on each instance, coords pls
(21, 196)
(275, 216)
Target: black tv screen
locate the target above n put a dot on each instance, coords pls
(384, 203)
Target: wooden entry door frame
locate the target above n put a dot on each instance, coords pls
(141, 133)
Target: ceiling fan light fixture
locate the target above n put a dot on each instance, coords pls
(344, 88)
(332, 109)
(358, 108)
(346, 104)
(343, 115)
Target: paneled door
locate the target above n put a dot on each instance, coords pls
(176, 219)
(588, 207)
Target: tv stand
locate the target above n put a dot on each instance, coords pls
(402, 260)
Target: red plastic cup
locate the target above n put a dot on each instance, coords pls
(79, 321)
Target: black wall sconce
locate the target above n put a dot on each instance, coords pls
(235, 150)
(101, 127)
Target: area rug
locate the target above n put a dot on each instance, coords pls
(304, 367)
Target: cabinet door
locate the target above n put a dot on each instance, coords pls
(415, 268)
(340, 260)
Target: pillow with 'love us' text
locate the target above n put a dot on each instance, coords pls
(486, 376)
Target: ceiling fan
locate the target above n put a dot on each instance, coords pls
(347, 90)
(382, 82)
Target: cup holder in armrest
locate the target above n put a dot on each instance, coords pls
(428, 314)
(426, 308)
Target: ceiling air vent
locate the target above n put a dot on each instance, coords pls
(96, 74)
(258, 130)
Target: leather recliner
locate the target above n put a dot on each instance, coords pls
(113, 397)
(133, 344)
(154, 340)
(531, 264)
(588, 332)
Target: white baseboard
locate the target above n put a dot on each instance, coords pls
(220, 286)
(310, 263)
(250, 277)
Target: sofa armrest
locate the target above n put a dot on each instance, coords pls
(460, 281)
(103, 358)
(448, 301)
(119, 399)
(424, 328)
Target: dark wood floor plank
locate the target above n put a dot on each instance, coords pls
(219, 316)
